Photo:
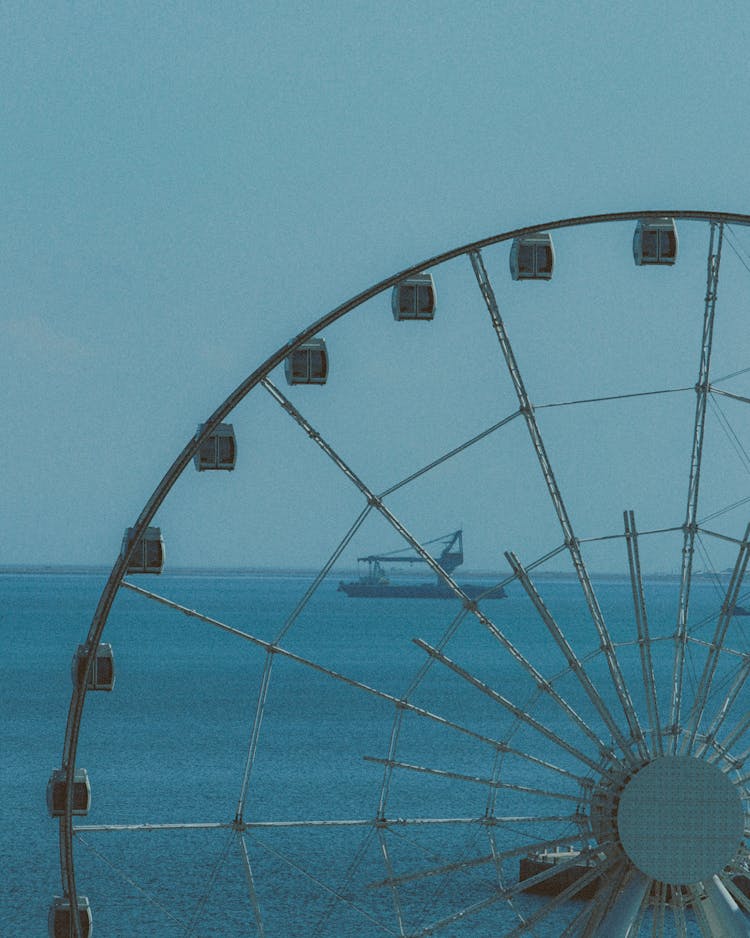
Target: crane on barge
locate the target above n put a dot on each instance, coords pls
(375, 583)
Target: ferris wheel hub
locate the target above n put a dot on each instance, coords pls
(680, 819)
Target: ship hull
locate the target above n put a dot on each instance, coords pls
(359, 590)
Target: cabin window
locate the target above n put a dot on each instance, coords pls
(207, 451)
(526, 259)
(426, 299)
(668, 244)
(406, 296)
(544, 260)
(226, 449)
(153, 554)
(649, 243)
(317, 364)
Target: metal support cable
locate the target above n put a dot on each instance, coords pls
(450, 454)
(389, 871)
(734, 441)
(221, 859)
(132, 883)
(251, 887)
(611, 397)
(691, 511)
(556, 496)
(318, 882)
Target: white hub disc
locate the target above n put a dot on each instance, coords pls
(680, 819)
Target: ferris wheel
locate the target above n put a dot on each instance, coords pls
(559, 748)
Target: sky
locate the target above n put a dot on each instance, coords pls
(187, 186)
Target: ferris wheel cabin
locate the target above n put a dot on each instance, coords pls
(414, 298)
(307, 364)
(655, 242)
(148, 555)
(102, 673)
(59, 920)
(532, 257)
(218, 450)
(56, 793)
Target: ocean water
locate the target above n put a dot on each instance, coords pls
(168, 747)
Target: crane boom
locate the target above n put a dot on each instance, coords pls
(448, 559)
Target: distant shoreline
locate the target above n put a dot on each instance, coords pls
(281, 572)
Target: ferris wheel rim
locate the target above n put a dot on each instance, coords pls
(160, 493)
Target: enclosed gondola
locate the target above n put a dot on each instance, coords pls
(102, 673)
(655, 242)
(148, 554)
(60, 919)
(218, 450)
(56, 793)
(307, 364)
(532, 257)
(414, 298)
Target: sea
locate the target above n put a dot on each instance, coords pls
(167, 749)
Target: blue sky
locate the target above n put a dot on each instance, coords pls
(186, 187)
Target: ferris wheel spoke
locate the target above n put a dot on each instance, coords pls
(696, 905)
(602, 901)
(251, 887)
(563, 896)
(574, 929)
(721, 749)
(644, 638)
(574, 663)
(475, 862)
(450, 454)
(510, 891)
(737, 894)
(109, 828)
(678, 906)
(723, 711)
(691, 514)
(451, 631)
(735, 397)
(475, 779)
(658, 911)
(571, 542)
(719, 908)
(517, 711)
(624, 896)
(712, 660)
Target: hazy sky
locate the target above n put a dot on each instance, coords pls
(185, 186)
